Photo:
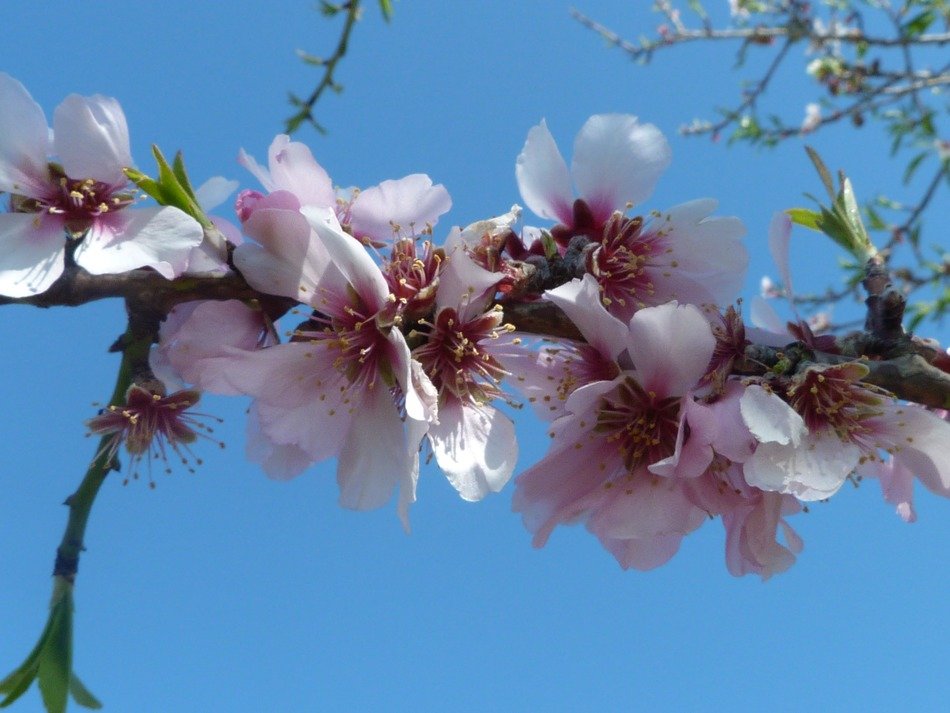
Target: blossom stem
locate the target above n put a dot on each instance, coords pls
(135, 344)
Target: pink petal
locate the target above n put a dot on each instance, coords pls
(32, 248)
(643, 554)
(670, 346)
(91, 138)
(373, 459)
(293, 168)
(279, 461)
(198, 339)
(921, 443)
(412, 204)
(289, 260)
(554, 490)
(215, 191)
(780, 234)
(644, 507)
(24, 141)
(617, 161)
(464, 285)
(694, 453)
(349, 257)
(580, 301)
(542, 176)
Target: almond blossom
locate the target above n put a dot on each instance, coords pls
(473, 442)
(343, 384)
(684, 254)
(617, 161)
(823, 423)
(83, 198)
(614, 435)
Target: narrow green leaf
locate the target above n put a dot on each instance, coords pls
(804, 216)
(386, 7)
(823, 172)
(877, 222)
(912, 166)
(56, 657)
(919, 24)
(860, 242)
(81, 694)
(178, 168)
(145, 183)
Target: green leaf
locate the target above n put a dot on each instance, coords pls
(145, 183)
(877, 222)
(549, 244)
(386, 7)
(823, 172)
(178, 168)
(804, 216)
(912, 166)
(918, 25)
(81, 694)
(50, 661)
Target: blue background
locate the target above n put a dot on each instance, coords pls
(224, 591)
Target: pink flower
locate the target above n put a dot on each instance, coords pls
(682, 254)
(150, 424)
(474, 443)
(342, 386)
(614, 434)
(824, 423)
(83, 197)
(616, 162)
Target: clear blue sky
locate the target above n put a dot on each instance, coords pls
(224, 591)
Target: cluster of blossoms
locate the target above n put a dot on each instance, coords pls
(401, 347)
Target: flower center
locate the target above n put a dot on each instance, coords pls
(413, 278)
(80, 202)
(643, 426)
(832, 397)
(621, 263)
(455, 359)
(150, 424)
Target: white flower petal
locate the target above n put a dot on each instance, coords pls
(542, 176)
(475, 447)
(24, 141)
(410, 204)
(373, 460)
(580, 301)
(770, 419)
(814, 470)
(160, 238)
(293, 168)
(214, 192)
(289, 261)
(617, 160)
(32, 248)
(91, 138)
(349, 257)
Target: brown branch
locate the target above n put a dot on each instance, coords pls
(896, 362)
